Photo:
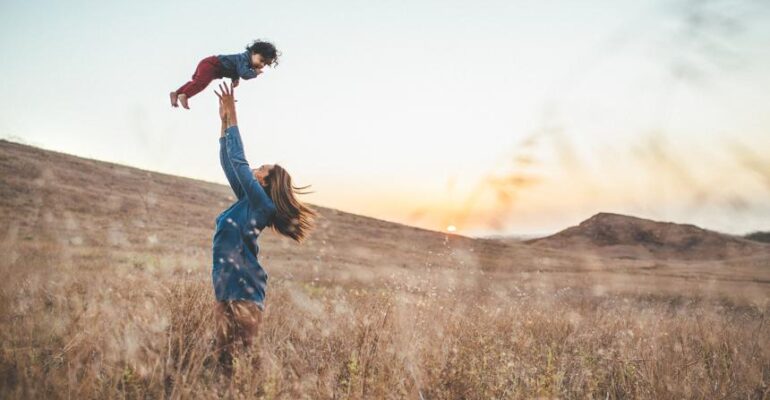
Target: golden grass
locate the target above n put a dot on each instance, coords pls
(138, 332)
(106, 294)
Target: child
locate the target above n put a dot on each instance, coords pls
(244, 65)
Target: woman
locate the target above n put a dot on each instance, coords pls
(265, 197)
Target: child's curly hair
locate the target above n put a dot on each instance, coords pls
(266, 49)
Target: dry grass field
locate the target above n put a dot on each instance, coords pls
(106, 294)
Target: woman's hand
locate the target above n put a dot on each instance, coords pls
(222, 112)
(227, 104)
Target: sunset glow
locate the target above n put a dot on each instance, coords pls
(560, 112)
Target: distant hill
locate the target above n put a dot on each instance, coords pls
(515, 238)
(623, 236)
(763, 237)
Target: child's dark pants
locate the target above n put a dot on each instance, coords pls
(208, 70)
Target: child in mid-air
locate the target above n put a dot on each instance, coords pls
(244, 65)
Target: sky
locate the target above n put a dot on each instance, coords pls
(489, 117)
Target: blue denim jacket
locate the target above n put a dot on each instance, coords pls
(236, 272)
(235, 66)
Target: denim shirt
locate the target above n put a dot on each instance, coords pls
(235, 66)
(236, 272)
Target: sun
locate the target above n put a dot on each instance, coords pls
(451, 228)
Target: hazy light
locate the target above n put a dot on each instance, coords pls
(451, 228)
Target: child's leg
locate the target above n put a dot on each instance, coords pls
(207, 70)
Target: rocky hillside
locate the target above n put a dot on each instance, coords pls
(623, 236)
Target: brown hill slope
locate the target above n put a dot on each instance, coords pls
(82, 208)
(59, 212)
(624, 236)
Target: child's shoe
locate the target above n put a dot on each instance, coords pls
(174, 97)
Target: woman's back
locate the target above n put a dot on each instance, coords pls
(236, 272)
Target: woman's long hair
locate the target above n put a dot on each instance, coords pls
(292, 218)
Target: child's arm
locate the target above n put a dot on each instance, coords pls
(245, 70)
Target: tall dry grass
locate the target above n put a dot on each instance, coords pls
(146, 332)
(106, 294)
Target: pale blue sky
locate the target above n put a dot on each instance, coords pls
(404, 110)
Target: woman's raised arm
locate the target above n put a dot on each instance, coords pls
(224, 160)
(234, 147)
